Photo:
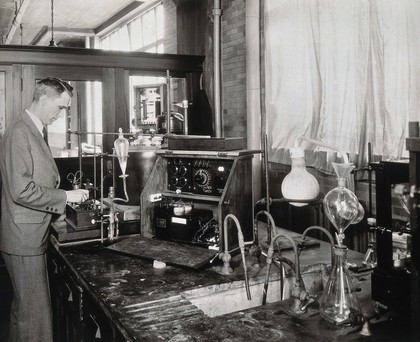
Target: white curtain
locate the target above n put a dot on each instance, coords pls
(342, 72)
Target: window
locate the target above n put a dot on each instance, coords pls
(344, 73)
(144, 33)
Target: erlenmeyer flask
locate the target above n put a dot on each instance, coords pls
(339, 303)
(340, 204)
(121, 146)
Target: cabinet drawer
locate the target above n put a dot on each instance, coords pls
(96, 325)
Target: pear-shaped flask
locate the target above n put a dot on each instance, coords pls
(121, 146)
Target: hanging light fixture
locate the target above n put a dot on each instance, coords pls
(52, 42)
(21, 34)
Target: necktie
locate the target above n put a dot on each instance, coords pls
(45, 133)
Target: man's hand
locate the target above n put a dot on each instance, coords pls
(77, 196)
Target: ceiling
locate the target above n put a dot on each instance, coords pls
(73, 20)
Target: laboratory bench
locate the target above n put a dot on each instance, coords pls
(99, 294)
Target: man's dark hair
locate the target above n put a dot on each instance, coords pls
(51, 83)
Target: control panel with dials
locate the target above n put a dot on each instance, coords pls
(198, 175)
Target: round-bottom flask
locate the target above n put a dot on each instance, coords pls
(339, 303)
(299, 184)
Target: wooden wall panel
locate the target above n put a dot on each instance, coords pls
(112, 68)
(69, 73)
(109, 107)
(122, 100)
(28, 85)
(9, 95)
(17, 89)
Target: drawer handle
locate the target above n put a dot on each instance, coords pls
(98, 328)
(55, 266)
(70, 298)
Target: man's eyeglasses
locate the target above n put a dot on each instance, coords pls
(57, 83)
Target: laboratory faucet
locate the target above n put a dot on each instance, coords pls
(255, 249)
(226, 257)
(301, 297)
(113, 231)
(111, 218)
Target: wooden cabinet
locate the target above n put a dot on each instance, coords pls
(219, 181)
(77, 316)
(67, 301)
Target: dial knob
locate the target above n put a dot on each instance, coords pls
(182, 181)
(174, 180)
(201, 177)
(173, 169)
(182, 170)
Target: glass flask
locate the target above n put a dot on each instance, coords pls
(121, 146)
(339, 303)
(299, 184)
(340, 204)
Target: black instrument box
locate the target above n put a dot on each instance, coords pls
(180, 228)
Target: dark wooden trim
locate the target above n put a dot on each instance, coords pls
(120, 15)
(40, 55)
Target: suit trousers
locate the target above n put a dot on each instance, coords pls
(31, 312)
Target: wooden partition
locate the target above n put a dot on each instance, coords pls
(25, 64)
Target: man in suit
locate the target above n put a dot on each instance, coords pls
(30, 196)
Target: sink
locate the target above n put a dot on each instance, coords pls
(220, 299)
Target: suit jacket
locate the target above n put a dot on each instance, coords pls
(30, 193)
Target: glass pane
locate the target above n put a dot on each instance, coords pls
(114, 41)
(2, 101)
(85, 115)
(149, 27)
(124, 39)
(105, 44)
(159, 22)
(145, 102)
(148, 103)
(135, 34)
(152, 49)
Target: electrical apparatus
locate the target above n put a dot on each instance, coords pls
(101, 210)
(413, 146)
(192, 226)
(391, 278)
(198, 175)
(183, 183)
(195, 176)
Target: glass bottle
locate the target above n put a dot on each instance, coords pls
(299, 184)
(121, 146)
(339, 303)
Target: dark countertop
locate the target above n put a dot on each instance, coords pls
(149, 304)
